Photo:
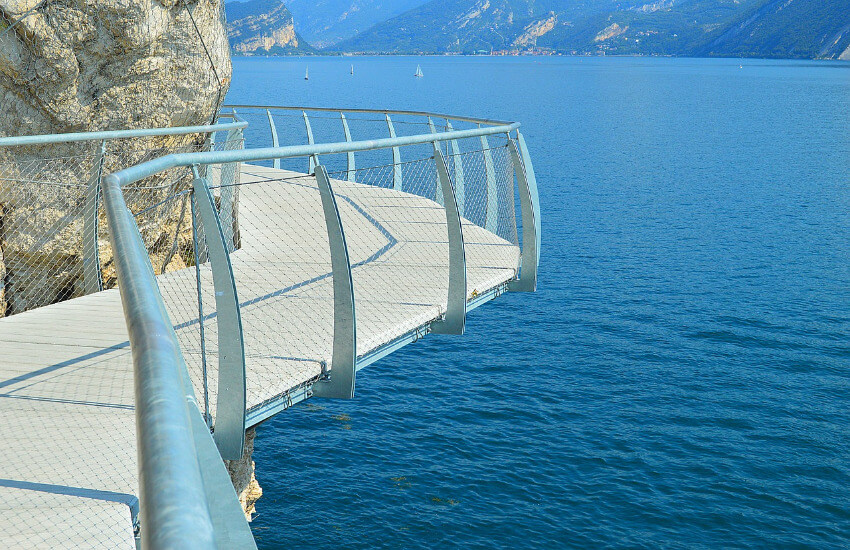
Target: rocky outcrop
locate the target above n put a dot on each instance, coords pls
(242, 475)
(535, 30)
(610, 32)
(86, 65)
(262, 27)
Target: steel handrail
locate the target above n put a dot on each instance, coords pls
(175, 160)
(175, 486)
(372, 111)
(47, 139)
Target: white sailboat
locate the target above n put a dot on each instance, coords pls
(418, 71)
(307, 74)
(352, 69)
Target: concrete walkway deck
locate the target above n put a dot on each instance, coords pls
(67, 436)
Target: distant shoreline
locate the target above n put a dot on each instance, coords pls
(526, 54)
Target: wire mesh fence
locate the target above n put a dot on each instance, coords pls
(391, 205)
(275, 229)
(53, 234)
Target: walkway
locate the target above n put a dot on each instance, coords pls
(67, 438)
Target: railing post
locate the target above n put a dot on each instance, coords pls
(531, 179)
(229, 432)
(491, 222)
(92, 279)
(437, 150)
(314, 159)
(343, 364)
(350, 167)
(455, 318)
(457, 161)
(396, 157)
(527, 281)
(202, 334)
(275, 142)
(228, 207)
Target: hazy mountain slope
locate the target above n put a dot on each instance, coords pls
(787, 28)
(795, 28)
(262, 27)
(326, 22)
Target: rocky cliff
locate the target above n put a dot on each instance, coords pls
(263, 27)
(70, 66)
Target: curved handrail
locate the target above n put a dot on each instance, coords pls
(151, 167)
(176, 486)
(46, 139)
(373, 111)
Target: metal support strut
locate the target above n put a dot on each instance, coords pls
(275, 142)
(396, 157)
(350, 156)
(341, 382)
(314, 159)
(455, 318)
(491, 223)
(527, 281)
(229, 432)
(92, 279)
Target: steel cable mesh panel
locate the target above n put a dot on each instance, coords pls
(488, 203)
(42, 229)
(282, 271)
(68, 471)
(54, 241)
(398, 249)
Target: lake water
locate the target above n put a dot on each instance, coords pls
(681, 377)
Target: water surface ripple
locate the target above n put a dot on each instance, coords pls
(680, 380)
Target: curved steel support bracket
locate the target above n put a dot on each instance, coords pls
(350, 167)
(92, 280)
(457, 161)
(275, 142)
(527, 281)
(340, 385)
(396, 157)
(491, 222)
(455, 318)
(437, 151)
(314, 159)
(532, 187)
(229, 432)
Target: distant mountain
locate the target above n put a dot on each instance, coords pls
(779, 28)
(326, 22)
(262, 27)
(763, 28)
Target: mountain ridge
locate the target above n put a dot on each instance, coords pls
(697, 28)
(767, 28)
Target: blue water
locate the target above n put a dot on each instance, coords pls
(681, 377)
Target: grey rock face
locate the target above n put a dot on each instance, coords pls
(88, 65)
(77, 65)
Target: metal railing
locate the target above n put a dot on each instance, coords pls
(280, 284)
(52, 238)
(223, 290)
(186, 497)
